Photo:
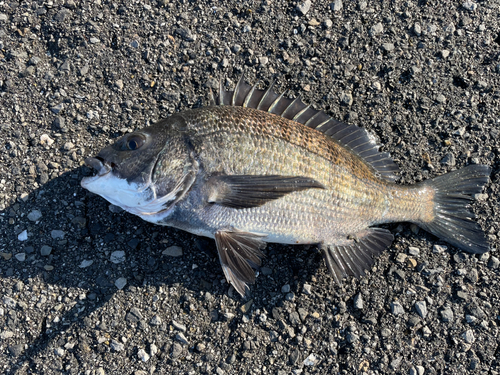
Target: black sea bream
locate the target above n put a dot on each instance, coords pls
(256, 167)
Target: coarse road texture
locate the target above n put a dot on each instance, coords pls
(87, 289)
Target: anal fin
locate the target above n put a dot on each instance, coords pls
(239, 252)
(356, 254)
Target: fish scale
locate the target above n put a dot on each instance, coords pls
(353, 197)
(256, 167)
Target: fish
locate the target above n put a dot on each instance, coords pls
(255, 167)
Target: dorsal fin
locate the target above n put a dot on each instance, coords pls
(350, 136)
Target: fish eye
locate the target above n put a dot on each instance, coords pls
(134, 142)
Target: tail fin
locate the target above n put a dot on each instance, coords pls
(454, 222)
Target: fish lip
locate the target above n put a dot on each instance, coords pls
(102, 166)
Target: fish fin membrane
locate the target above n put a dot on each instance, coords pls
(247, 191)
(239, 253)
(454, 222)
(350, 136)
(355, 256)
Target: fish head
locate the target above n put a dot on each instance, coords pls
(128, 173)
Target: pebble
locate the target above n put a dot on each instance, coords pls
(328, 23)
(494, 263)
(60, 352)
(470, 319)
(469, 5)
(438, 249)
(388, 47)
(468, 336)
(263, 60)
(143, 356)
(134, 315)
(445, 53)
(57, 108)
(155, 321)
(57, 234)
(417, 29)
(119, 84)
(352, 338)
(449, 160)
(441, 98)
(397, 308)
(417, 370)
(377, 86)
(294, 318)
(4, 335)
(120, 283)
(285, 288)
(358, 301)
(179, 326)
(401, 258)
(376, 29)
(336, 5)
(307, 289)
(6, 256)
(421, 308)
(23, 236)
(346, 99)
(45, 250)
(20, 257)
(181, 338)
(86, 263)
(94, 40)
(415, 251)
(310, 360)
(117, 346)
(173, 251)
(473, 275)
(447, 314)
(246, 307)
(304, 7)
(9, 302)
(426, 332)
(176, 350)
(68, 146)
(117, 256)
(16, 350)
(35, 215)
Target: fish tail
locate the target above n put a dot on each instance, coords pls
(452, 220)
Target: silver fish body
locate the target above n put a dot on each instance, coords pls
(260, 168)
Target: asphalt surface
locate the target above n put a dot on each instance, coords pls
(88, 289)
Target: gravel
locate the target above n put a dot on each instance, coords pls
(88, 288)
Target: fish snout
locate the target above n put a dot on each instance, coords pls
(100, 165)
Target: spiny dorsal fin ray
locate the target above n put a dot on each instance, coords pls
(351, 136)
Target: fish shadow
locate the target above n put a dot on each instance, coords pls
(81, 246)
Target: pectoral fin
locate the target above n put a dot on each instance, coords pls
(239, 251)
(246, 191)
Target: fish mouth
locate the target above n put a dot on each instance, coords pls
(102, 166)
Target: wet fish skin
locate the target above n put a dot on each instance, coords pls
(260, 168)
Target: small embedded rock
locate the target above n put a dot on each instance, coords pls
(173, 251)
(304, 7)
